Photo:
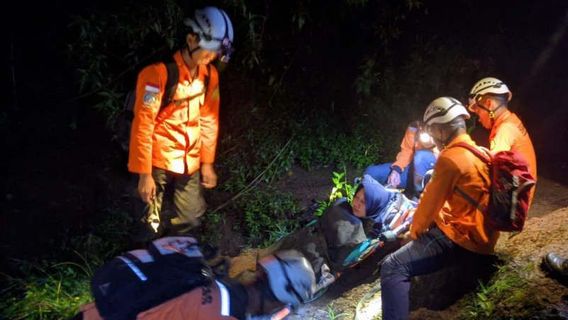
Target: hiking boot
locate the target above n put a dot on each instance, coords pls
(556, 264)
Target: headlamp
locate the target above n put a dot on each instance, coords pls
(225, 50)
(425, 138)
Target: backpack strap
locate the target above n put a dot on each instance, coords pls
(171, 82)
(206, 80)
(171, 86)
(470, 199)
(483, 156)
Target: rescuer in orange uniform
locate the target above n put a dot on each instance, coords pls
(446, 227)
(175, 145)
(489, 99)
(416, 157)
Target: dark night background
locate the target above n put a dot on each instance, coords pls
(59, 161)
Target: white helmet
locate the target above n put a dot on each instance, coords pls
(290, 276)
(214, 29)
(489, 85)
(444, 110)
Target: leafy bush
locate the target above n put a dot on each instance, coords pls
(341, 189)
(107, 65)
(267, 216)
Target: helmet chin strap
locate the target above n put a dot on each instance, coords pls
(450, 137)
(491, 112)
(190, 51)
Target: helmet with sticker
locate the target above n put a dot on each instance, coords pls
(214, 29)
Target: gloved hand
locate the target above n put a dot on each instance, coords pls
(394, 179)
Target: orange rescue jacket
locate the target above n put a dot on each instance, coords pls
(460, 221)
(509, 134)
(182, 135)
(203, 303)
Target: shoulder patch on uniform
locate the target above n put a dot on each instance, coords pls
(150, 99)
(151, 95)
(150, 87)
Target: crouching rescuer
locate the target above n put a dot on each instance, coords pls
(446, 228)
(173, 144)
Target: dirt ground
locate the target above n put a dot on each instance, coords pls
(546, 230)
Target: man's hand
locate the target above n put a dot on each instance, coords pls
(208, 176)
(146, 187)
(406, 238)
(388, 236)
(394, 179)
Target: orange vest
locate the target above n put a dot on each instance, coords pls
(460, 221)
(509, 134)
(184, 133)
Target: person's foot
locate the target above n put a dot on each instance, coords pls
(556, 264)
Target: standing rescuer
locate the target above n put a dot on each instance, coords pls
(489, 99)
(175, 144)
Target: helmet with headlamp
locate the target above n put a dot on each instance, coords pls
(214, 29)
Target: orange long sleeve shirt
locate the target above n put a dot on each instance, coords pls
(509, 134)
(184, 133)
(460, 221)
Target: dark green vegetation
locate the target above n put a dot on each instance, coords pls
(312, 83)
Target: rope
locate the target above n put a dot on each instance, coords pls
(253, 183)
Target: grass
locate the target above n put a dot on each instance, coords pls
(268, 216)
(51, 292)
(50, 289)
(332, 313)
(510, 294)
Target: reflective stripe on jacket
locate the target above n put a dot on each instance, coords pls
(453, 214)
(184, 133)
(509, 134)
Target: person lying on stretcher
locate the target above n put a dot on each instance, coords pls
(377, 215)
(345, 235)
